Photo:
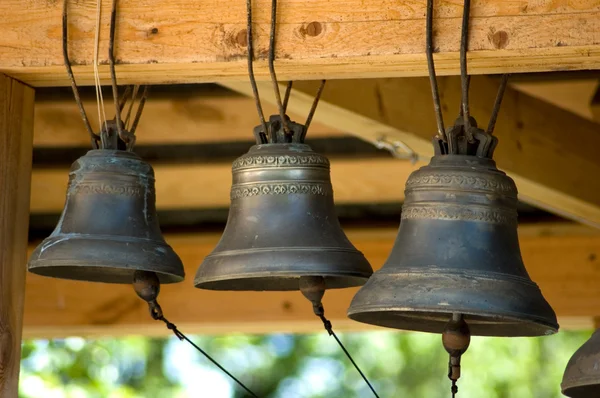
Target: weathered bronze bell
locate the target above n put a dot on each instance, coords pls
(457, 252)
(108, 228)
(582, 375)
(282, 223)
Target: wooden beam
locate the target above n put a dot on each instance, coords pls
(562, 259)
(549, 152)
(16, 136)
(595, 104)
(200, 186)
(205, 41)
(184, 119)
(571, 95)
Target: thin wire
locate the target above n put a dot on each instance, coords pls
(259, 109)
(183, 337)
(140, 109)
(329, 329)
(496, 109)
(464, 43)
(286, 97)
(286, 128)
(99, 98)
(65, 30)
(113, 74)
(313, 108)
(431, 67)
(134, 94)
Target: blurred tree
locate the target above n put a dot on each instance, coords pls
(282, 365)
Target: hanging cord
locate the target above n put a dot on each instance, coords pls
(140, 109)
(113, 78)
(464, 79)
(486, 143)
(313, 288)
(147, 287)
(280, 107)
(313, 108)
(97, 84)
(134, 94)
(94, 138)
(432, 77)
(496, 109)
(259, 109)
(286, 98)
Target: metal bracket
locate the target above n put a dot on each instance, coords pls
(397, 148)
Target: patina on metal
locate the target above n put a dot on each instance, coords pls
(457, 251)
(282, 223)
(582, 374)
(108, 228)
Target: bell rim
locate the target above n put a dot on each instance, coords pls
(551, 328)
(386, 309)
(41, 258)
(343, 275)
(164, 277)
(586, 381)
(359, 280)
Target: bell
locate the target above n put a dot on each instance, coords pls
(457, 252)
(582, 375)
(282, 223)
(108, 228)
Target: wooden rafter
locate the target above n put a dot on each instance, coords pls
(205, 40)
(551, 153)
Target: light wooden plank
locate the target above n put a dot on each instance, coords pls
(571, 95)
(185, 119)
(548, 151)
(16, 136)
(205, 41)
(562, 259)
(199, 186)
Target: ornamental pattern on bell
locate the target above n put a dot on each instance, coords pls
(462, 181)
(279, 161)
(238, 192)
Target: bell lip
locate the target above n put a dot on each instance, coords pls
(579, 382)
(41, 259)
(207, 277)
(359, 310)
(545, 328)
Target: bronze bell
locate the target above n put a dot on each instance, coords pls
(582, 375)
(108, 228)
(457, 252)
(282, 223)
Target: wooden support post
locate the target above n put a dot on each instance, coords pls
(16, 139)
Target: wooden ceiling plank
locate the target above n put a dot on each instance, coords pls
(205, 41)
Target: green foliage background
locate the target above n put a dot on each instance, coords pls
(275, 366)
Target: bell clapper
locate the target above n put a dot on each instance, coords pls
(456, 338)
(147, 287)
(313, 288)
